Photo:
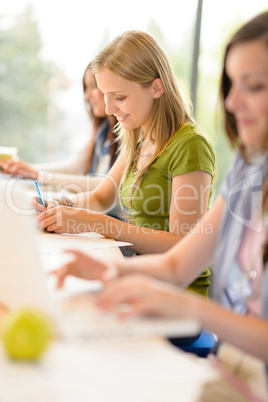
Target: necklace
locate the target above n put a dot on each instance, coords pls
(139, 149)
(146, 156)
(137, 154)
(128, 216)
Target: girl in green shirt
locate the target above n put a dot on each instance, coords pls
(165, 169)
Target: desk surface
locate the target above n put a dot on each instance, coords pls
(145, 370)
(129, 371)
(138, 370)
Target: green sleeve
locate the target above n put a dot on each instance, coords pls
(189, 151)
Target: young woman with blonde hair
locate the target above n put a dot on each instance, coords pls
(165, 169)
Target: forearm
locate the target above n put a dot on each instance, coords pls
(246, 332)
(102, 198)
(188, 258)
(144, 240)
(88, 200)
(195, 252)
(75, 164)
(174, 266)
(152, 265)
(69, 182)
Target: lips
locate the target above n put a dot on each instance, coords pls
(122, 118)
(244, 120)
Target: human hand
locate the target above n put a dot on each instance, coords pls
(144, 296)
(36, 204)
(15, 168)
(85, 267)
(61, 219)
(48, 204)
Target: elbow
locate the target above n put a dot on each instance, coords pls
(171, 264)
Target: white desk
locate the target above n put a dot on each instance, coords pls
(141, 370)
(148, 370)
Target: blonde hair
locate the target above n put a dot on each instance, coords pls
(136, 56)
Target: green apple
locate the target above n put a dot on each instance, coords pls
(26, 334)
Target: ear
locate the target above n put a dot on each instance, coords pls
(158, 88)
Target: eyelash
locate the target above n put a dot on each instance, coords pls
(121, 99)
(255, 88)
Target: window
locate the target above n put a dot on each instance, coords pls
(46, 45)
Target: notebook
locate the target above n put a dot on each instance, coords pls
(8, 153)
(24, 282)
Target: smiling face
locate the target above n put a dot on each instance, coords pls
(128, 101)
(247, 100)
(93, 96)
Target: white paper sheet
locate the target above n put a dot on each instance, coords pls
(52, 243)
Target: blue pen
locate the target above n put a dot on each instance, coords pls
(41, 199)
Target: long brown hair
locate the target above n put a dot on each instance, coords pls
(98, 121)
(136, 56)
(254, 29)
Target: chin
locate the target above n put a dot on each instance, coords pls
(98, 114)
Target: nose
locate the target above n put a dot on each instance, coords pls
(110, 107)
(88, 93)
(234, 100)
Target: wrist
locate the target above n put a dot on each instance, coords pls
(195, 305)
(93, 221)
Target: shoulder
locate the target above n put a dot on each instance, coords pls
(189, 150)
(244, 175)
(190, 135)
(191, 143)
(234, 174)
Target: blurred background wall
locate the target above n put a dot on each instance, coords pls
(46, 45)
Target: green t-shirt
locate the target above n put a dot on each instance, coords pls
(189, 150)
